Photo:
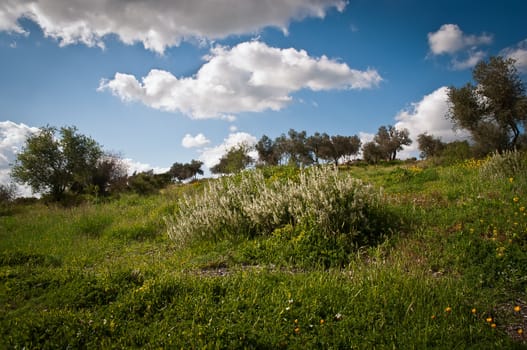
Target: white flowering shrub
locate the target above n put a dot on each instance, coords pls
(321, 202)
(505, 165)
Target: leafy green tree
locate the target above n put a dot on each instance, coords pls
(494, 109)
(341, 147)
(294, 147)
(147, 182)
(53, 164)
(456, 151)
(182, 172)
(429, 145)
(372, 152)
(195, 168)
(110, 175)
(268, 152)
(7, 193)
(319, 145)
(234, 161)
(391, 140)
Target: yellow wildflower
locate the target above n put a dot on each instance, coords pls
(488, 319)
(448, 309)
(516, 199)
(474, 311)
(517, 308)
(520, 331)
(493, 325)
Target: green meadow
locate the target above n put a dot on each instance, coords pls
(400, 255)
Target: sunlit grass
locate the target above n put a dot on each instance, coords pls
(106, 275)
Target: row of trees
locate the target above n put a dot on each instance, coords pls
(63, 161)
(297, 149)
(59, 161)
(493, 110)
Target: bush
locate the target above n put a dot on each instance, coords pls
(333, 210)
(504, 165)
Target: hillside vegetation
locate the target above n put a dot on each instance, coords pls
(399, 255)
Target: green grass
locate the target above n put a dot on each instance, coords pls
(106, 275)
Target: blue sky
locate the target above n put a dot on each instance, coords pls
(162, 81)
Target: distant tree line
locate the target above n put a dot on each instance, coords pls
(60, 162)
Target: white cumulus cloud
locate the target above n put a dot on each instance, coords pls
(449, 39)
(210, 156)
(157, 24)
(134, 166)
(518, 53)
(428, 115)
(12, 139)
(190, 141)
(249, 77)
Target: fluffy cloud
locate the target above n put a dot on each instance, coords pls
(157, 24)
(428, 115)
(519, 53)
(190, 141)
(249, 77)
(134, 166)
(211, 156)
(12, 139)
(451, 40)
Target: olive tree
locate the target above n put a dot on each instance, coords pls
(235, 160)
(493, 109)
(53, 161)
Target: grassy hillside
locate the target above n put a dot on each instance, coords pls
(426, 257)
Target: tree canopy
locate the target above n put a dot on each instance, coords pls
(494, 109)
(386, 143)
(54, 161)
(52, 165)
(185, 171)
(235, 160)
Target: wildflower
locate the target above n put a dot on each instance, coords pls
(519, 331)
(322, 321)
(338, 317)
(522, 209)
(296, 321)
(515, 199)
(493, 325)
(448, 309)
(488, 319)
(297, 330)
(511, 179)
(517, 308)
(433, 317)
(473, 311)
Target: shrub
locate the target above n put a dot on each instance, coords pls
(504, 165)
(322, 204)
